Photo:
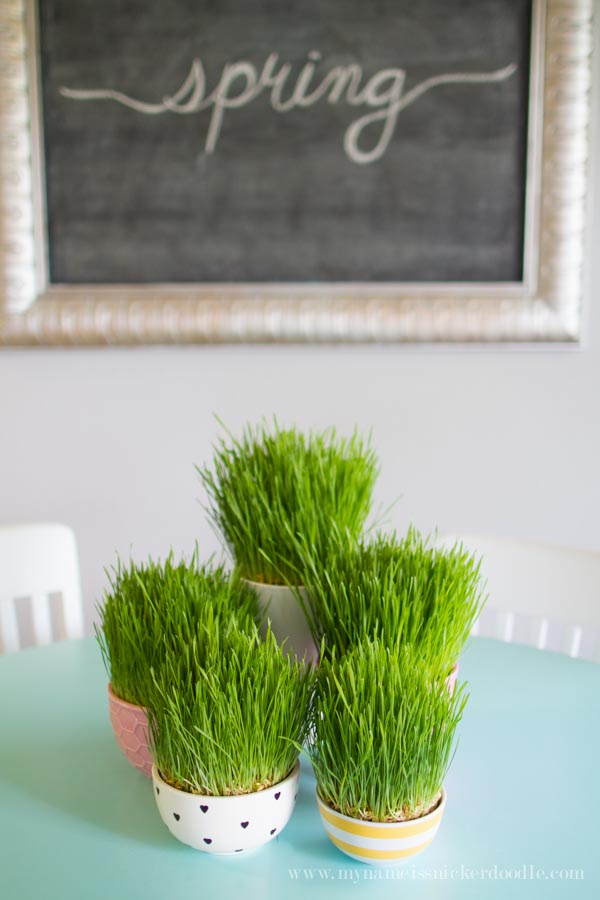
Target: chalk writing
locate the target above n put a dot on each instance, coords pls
(241, 82)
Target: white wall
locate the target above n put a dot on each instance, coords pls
(495, 440)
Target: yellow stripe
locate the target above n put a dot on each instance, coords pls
(371, 830)
(377, 854)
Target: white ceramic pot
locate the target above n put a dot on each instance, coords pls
(286, 617)
(381, 843)
(226, 825)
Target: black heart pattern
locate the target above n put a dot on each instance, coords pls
(176, 816)
(244, 824)
(204, 808)
(207, 840)
(278, 795)
(273, 830)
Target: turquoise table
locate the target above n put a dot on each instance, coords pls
(76, 821)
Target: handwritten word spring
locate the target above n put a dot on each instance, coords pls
(241, 82)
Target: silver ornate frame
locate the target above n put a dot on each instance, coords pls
(545, 306)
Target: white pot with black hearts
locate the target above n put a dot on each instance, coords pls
(226, 825)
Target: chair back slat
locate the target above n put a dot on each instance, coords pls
(541, 640)
(575, 636)
(40, 614)
(9, 628)
(71, 621)
(505, 626)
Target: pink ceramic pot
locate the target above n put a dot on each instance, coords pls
(131, 731)
(451, 679)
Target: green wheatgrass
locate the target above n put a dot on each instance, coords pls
(403, 591)
(153, 606)
(273, 491)
(228, 713)
(383, 733)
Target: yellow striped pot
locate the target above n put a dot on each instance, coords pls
(381, 843)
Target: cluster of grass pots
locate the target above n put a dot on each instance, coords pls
(322, 639)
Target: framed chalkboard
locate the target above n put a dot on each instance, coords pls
(325, 170)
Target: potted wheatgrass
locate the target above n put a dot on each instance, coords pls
(148, 608)
(227, 715)
(381, 741)
(402, 591)
(274, 492)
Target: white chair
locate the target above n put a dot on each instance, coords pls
(37, 561)
(539, 594)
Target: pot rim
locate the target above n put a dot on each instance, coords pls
(436, 811)
(156, 776)
(114, 697)
(263, 584)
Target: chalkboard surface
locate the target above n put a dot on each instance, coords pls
(270, 141)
